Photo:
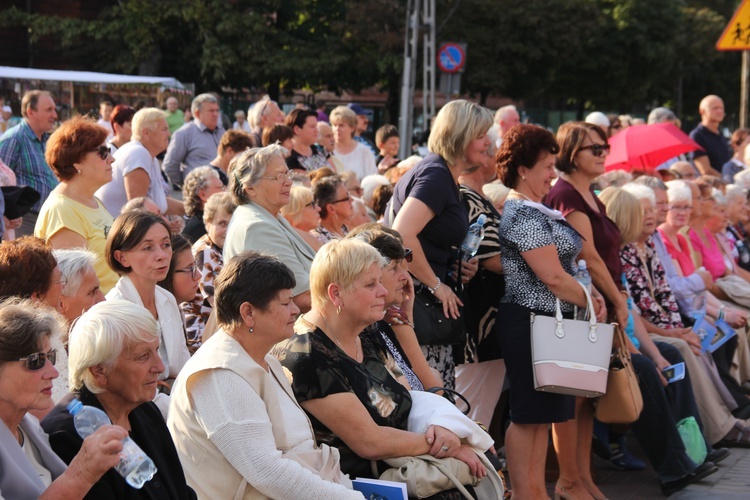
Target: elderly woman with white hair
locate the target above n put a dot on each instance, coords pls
(114, 366)
(199, 185)
(737, 213)
(136, 171)
(260, 185)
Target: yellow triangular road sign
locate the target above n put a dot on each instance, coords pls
(736, 35)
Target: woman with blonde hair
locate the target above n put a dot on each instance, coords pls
(136, 172)
(426, 209)
(303, 213)
(354, 155)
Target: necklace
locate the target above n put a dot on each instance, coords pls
(513, 191)
(338, 342)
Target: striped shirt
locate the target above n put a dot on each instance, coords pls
(23, 152)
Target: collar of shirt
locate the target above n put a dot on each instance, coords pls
(202, 127)
(26, 128)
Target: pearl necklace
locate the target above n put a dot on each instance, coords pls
(513, 191)
(338, 342)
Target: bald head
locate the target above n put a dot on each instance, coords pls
(506, 117)
(711, 109)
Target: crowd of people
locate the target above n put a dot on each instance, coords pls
(265, 334)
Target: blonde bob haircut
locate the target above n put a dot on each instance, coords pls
(299, 197)
(340, 262)
(246, 169)
(100, 335)
(626, 212)
(146, 118)
(344, 114)
(455, 126)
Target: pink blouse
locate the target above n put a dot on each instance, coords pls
(713, 259)
(681, 254)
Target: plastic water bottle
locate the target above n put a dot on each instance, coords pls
(699, 304)
(135, 466)
(583, 277)
(470, 246)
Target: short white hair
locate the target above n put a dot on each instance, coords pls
(146, 118)
(598, 118)
(369, 183)
(742, 178)
(258, 110)
(74, 263)
(502, 113)
(679, 192)
(641, 192)
(100, 334)
(200, 99)
(733, 191)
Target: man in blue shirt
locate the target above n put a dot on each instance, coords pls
(22, 149)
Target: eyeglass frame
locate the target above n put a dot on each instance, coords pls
(194, 270)
(680, 209)
(50, 355)
(311, 204)
(63, 281)
(100, 151)
(597, 149)
(342, 200)
(280, 176)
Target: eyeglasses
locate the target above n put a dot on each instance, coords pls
(37, 360)
(348, 198)
(63, 281)
(408, 255)
(280, 177)
(681, 209)
(193, 270)
(597, 149)
(102, 151)
(312, 204)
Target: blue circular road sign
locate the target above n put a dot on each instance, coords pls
(451, 58)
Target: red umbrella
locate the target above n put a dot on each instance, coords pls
(647, 146)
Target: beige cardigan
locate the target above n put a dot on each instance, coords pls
(202, 459)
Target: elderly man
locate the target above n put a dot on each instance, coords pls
(262, 115)
(505, 118)
(195, 143)
(707, 135)
(22, 149)
(175, 116)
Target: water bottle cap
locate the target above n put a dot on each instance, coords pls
(481, 219)
(74, 406)
(581, 264)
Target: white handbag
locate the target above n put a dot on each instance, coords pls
(571, 356)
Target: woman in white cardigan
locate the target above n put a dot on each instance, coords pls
(258, 443)
(139, 249)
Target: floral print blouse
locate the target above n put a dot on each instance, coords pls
(648, 286)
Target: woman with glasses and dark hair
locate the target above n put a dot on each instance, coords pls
(336, 208)
(72, 216)
(260, 185)
(29, 469)
(139, 249)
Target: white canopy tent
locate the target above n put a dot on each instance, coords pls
(85, 77)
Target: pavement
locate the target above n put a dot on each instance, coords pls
(731, 482)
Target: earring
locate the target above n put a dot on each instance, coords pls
(523, 178)
(338, 309)
(79, 172)
(251, 330)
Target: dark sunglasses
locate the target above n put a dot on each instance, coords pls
(408, 255)
(102, 151)
(37, 360)
(597, 149)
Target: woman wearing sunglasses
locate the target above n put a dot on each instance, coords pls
(139, 249)
(583, 149)
(29, 469)
(72, 216)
